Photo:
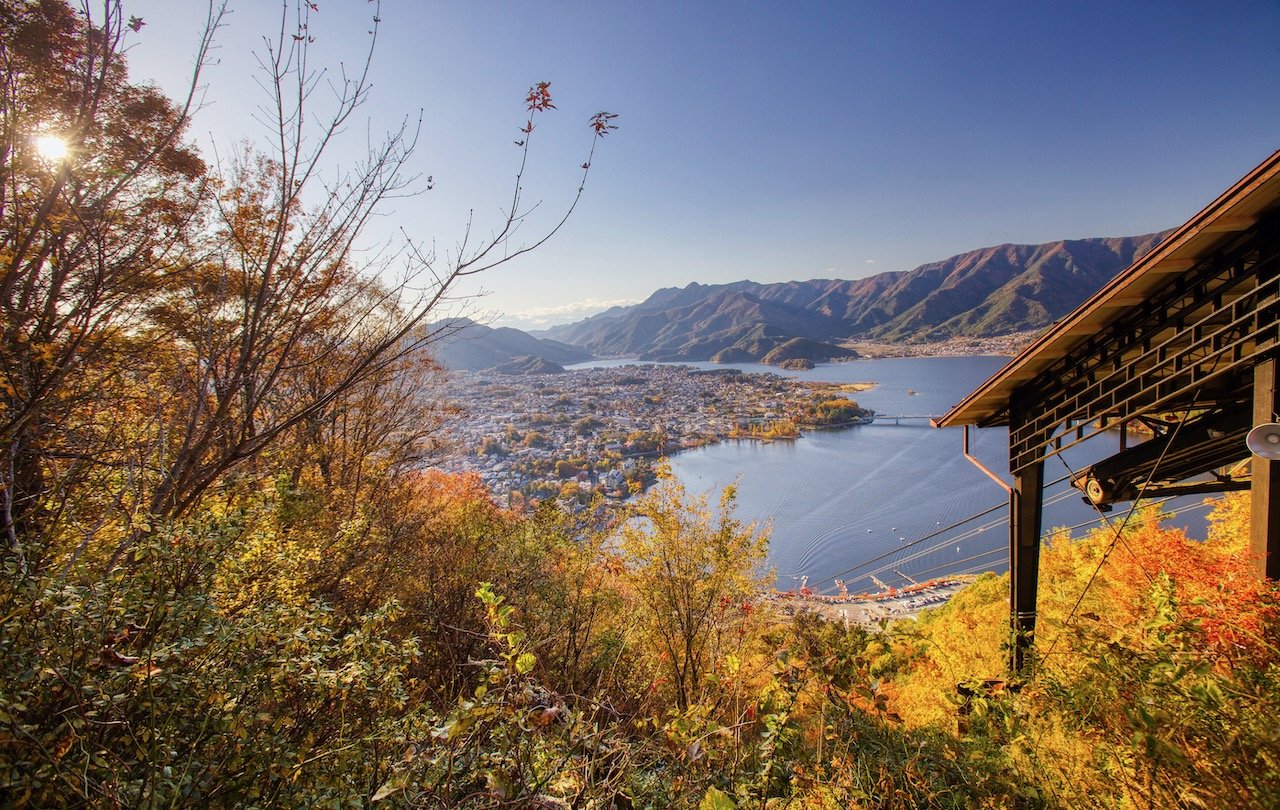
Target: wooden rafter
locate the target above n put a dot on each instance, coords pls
(1191, 344)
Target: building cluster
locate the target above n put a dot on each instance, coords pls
(572, 434)
(941, 346)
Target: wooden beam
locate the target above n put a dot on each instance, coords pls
(1264, 524)
(1172, 266)
(1229, 225)
(1022, 375)
(1026, 509)
(1122, 302)
(1082, 329)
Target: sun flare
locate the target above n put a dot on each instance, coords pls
(51, 147)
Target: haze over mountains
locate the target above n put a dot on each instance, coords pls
(988, 292)
(469, 346)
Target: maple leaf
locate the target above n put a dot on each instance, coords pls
(601, 122)
(539, 97)
(136, 23)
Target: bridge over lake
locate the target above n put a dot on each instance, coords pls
(898, 419)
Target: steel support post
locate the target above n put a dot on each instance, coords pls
(1026, 507)
(1264, 526)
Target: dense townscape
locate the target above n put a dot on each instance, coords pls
(594, 430)
(1007, 345)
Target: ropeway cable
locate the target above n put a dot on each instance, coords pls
(890, 553)
(1119, 531)
(935, 533)
(1058, 497)
(1046, 535)
(973, 533)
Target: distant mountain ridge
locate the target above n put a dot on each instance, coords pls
(465, 345)
(988, 292)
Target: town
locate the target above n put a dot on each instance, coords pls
(585, 431)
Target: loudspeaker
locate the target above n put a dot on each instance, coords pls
(1264, 441)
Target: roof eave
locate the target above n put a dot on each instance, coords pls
(985, 404)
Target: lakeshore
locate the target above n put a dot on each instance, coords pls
(595, 430)
(873, 611)
(1003, 346)
(832, 499)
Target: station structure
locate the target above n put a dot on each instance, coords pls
(1184, 342)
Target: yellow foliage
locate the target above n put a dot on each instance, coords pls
(694, 573)
(958, 642)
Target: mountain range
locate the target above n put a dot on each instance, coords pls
(983, 293)
(987, 292)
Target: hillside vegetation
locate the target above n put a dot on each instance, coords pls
(297, 642)
(229, 578)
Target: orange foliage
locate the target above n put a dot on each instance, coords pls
(1215, 580)
(454, 490)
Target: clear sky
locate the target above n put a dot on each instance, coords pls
(778, 140)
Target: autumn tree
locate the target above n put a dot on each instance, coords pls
(695, 572)
(230, 305)
(275, 292)
(97, 191)
(210, 403)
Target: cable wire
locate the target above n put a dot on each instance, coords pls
(960, 538)
(896, 559)
(1119, 530)
(936, 532)
(1103, 515)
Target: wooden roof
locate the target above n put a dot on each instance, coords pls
(1236, 210)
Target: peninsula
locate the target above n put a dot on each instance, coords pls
(567, 435)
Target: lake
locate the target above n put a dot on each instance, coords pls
(838, 499)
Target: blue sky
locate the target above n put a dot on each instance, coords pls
(777, 141)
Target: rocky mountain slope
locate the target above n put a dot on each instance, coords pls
(987, 292)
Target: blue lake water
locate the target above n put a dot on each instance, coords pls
(837, 499)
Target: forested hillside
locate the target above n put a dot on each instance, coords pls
(229, 577)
